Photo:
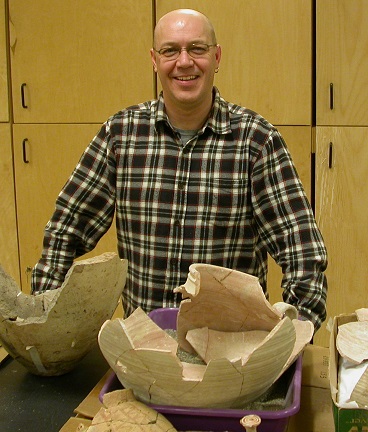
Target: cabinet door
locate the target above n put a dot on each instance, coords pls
(266, 60)
(4, 111)
(342, 62)
(45, 156)
(8, 229)
(341, 209)
(79, 61)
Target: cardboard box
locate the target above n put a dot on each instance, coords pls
(315, 367)
(315, 413)
(346, 419)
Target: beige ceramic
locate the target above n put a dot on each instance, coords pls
(352, 344)
(352, 341)
(360, 391)
(250, 422)
(122, 412)
(224, 318)
(51, 332)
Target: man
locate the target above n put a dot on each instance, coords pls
(191, 178)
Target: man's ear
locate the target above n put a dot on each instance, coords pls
(218, 55)
(153, 59)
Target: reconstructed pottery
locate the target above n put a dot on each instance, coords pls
(50, 333)
(352, 341)
(246, 344)
(122, 412)
(352, 345)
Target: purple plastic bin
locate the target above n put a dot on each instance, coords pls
(215, 419)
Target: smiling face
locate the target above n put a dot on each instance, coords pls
(186, 81)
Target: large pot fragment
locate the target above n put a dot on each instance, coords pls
(225, 319)
(352, 341)
(121, 412)
(51, 332)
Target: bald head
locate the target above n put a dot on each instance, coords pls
(178, 19)
(187, 76)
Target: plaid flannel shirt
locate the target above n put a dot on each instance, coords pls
(226, 197)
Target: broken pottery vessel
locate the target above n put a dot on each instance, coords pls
(122, 412)
(352, 341)
(50, 333)
(245, 343)
(352, 346)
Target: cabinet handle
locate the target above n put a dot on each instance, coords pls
(25, 160)
(330, 156)
(332, 102)
(22, 93)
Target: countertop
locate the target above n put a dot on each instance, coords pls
(43, 404)
(29, 403)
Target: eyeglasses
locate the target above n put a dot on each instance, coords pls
(195, 50)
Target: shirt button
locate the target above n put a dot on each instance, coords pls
(177, 223)
(173, 262)
(181, 185)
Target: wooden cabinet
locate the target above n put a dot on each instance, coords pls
(342, 151)
(8, 230)
(44, 157)
(4, 103)
(79, 61)
(266, 60)
(342, 62)
(73, 64)
(341, 208)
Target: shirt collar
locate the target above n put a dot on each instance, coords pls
(218, 120)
